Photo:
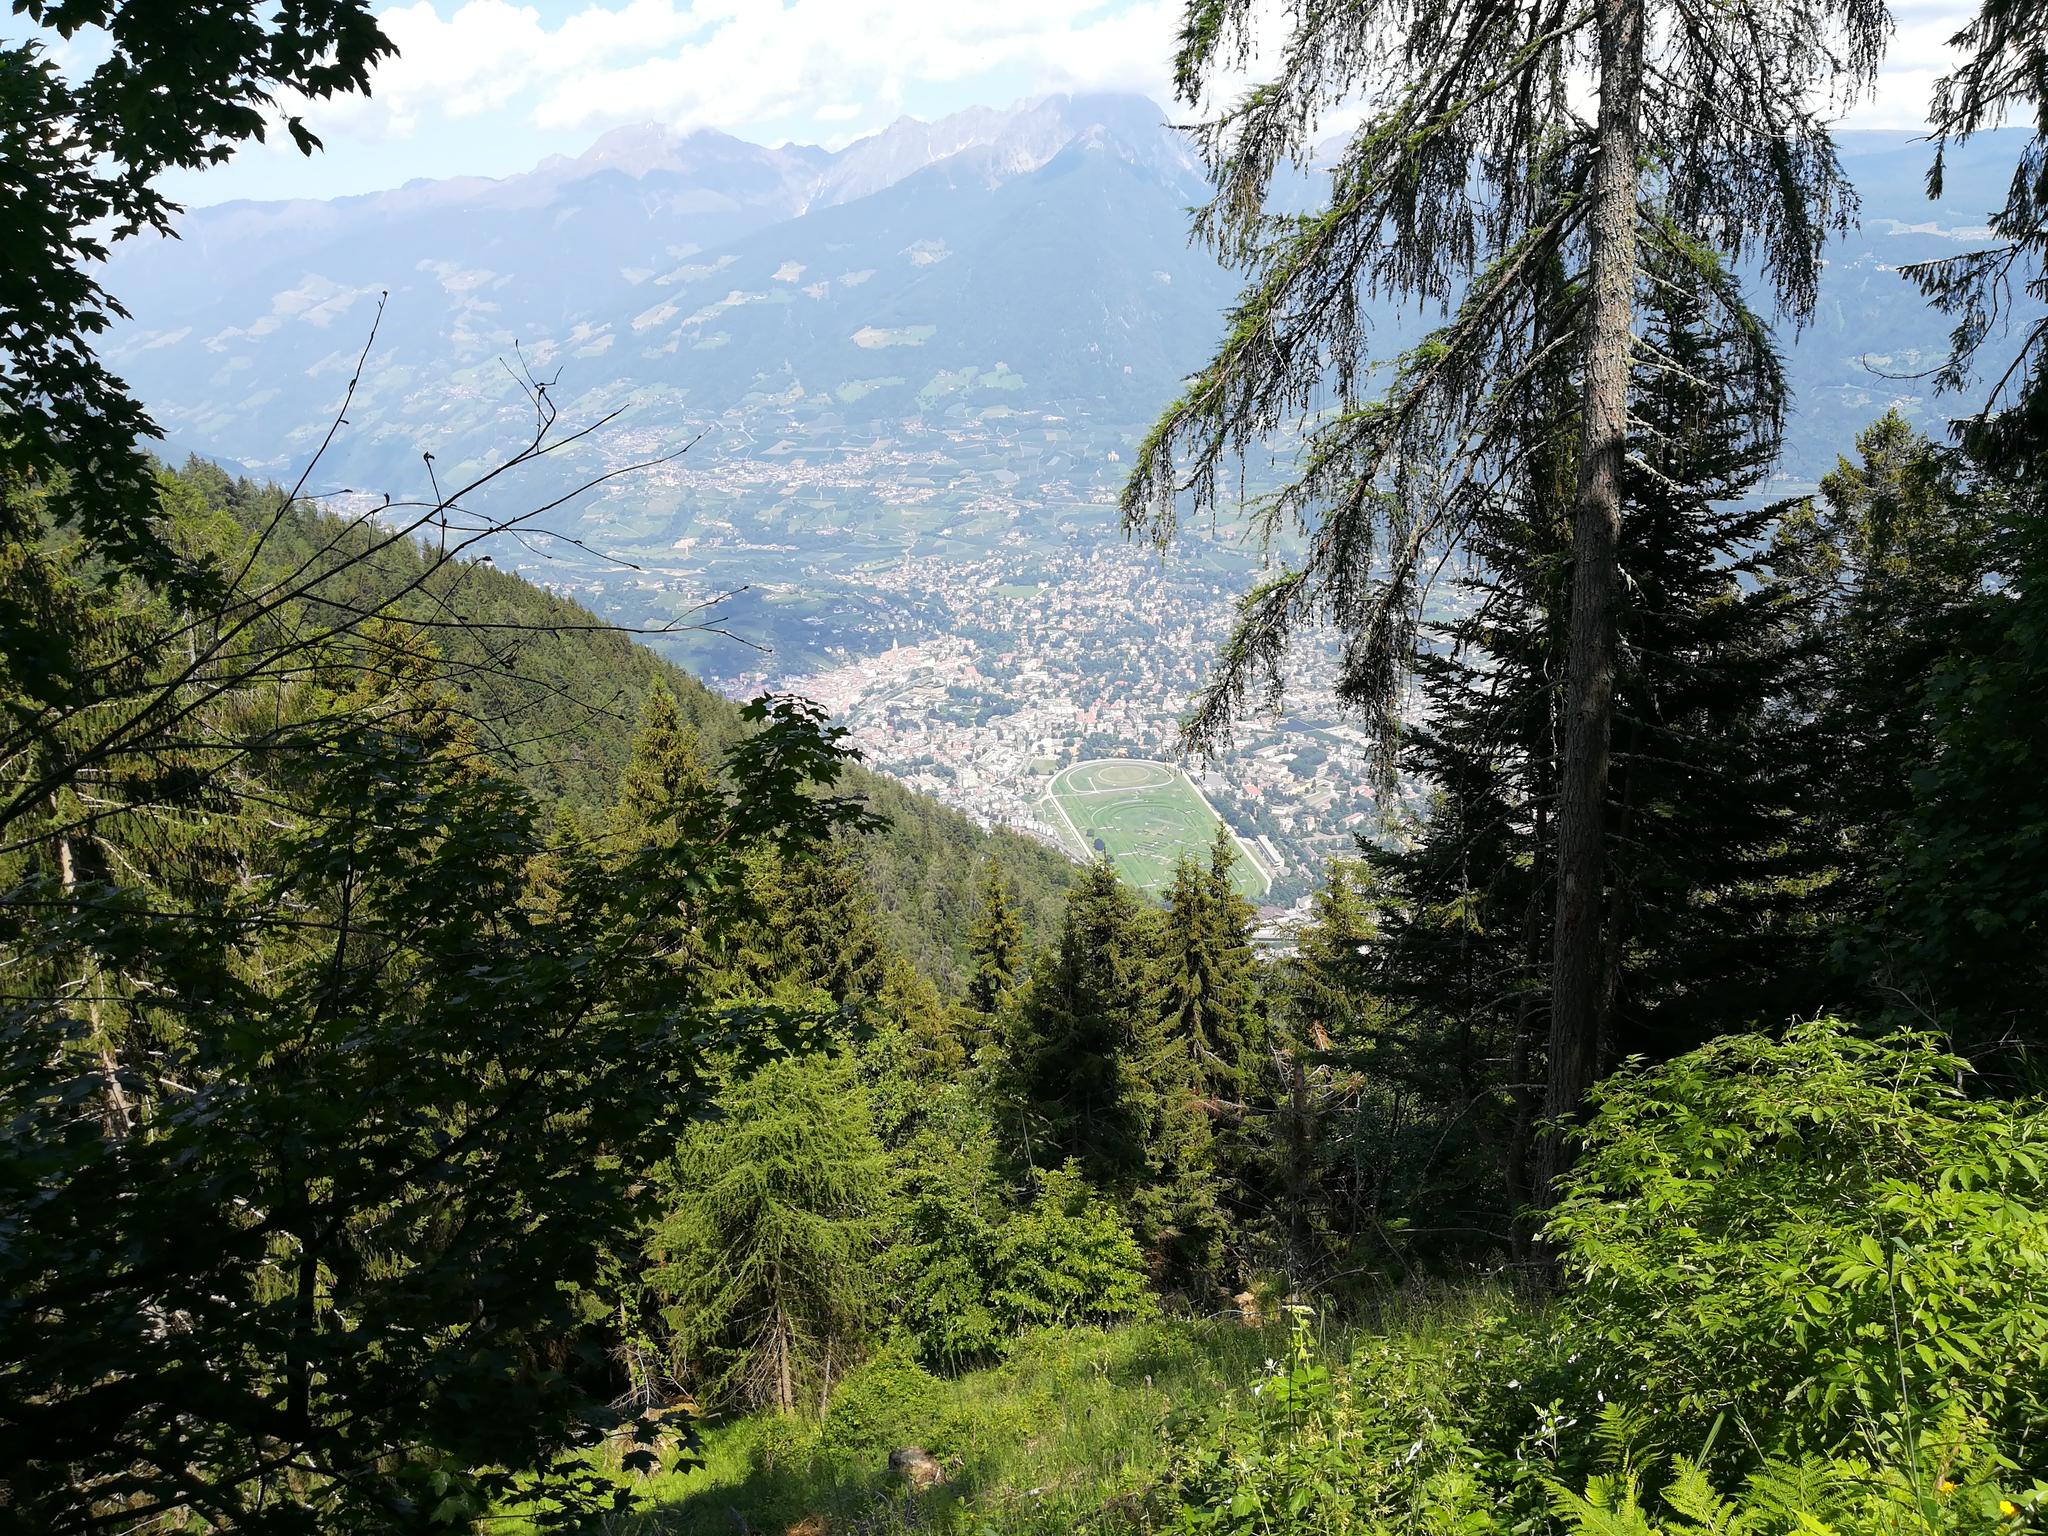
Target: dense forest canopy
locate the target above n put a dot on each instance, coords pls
(458, 1070)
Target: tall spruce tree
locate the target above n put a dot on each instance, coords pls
(1473, 171)
(1237, 966)
(1705, 919)
(1304, 1186)
(1915, 565)
(666, 772)
(1076, 1073)
(1205, 977)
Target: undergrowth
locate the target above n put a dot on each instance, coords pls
(1066, 1434)
(1804, 1292)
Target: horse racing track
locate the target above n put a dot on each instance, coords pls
(1146, 817)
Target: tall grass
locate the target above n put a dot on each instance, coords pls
(1064, 1435)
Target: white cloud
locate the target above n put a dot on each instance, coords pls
(731, 63)
(493, 85)
(735, 63)
(753, 62)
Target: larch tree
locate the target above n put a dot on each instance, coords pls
(1473, 179)
(764, 1257)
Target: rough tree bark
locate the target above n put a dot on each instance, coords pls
(1576, 1021)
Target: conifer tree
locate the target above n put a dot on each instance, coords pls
(1208, 1002)
(1708, 861)
(1207, 974)
(2001, 73)
(1712, 856)
(1890, 557)
(1915, 567)
(1473, 171)
(1964, 919)
(813, 928)
(995, 942)
(1199, 1007)
(1303, 1183)
(1233, 918)
(1076, 1074)
(765, 1255)
(666, 771)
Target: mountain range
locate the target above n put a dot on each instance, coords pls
(949, 331)
(694, 274)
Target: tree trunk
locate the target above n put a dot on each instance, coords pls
(1576, 961)
(117, 1115)
(785, 1377)
(1528, 1024)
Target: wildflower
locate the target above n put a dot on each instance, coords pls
(1944, 1487)
(2007, 1510)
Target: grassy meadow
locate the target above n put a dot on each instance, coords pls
(1071, 1431)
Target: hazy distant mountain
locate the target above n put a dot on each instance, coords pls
(956, 276)
(1044, 247)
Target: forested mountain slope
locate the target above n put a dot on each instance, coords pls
(559, 694)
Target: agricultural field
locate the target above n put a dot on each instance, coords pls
(1145, 816)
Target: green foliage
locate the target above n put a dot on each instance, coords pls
(1964, 903)
(1064, 1434)
(177, 84)
(1112, 1055)
(1068, 1258)
(1808, 1281)
(1815, 1495)
(1207, 979)
(995, 943)
(1823, 1224)
(948, 1272)
(1309, 1176)
(972, 1275)
(1076, 1052)
(887, 1402)
(665, 771)
(359, 1193)
(763, 1257)
(1305, 1459)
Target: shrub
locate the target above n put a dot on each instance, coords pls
(1807, 1291)
(1813, 1234)
(1069, 1258)
(889, 1401)
(970, 1277)
(946, 1274)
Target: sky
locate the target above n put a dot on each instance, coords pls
(491, 87)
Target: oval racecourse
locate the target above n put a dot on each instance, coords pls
(1147, 815)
